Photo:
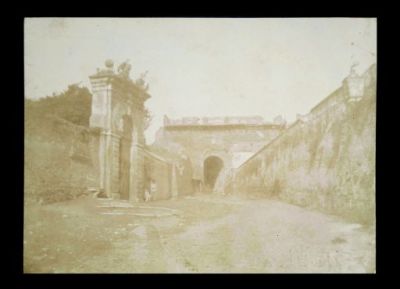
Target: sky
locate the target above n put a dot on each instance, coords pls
(204, 66)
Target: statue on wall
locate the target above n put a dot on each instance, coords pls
(141, 81)
(124, 69)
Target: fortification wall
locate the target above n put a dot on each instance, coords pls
(326, 160)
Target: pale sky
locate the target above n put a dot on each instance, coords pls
(204, 67)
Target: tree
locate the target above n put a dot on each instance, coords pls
(73, 104)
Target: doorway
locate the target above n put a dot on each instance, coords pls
(212, 168)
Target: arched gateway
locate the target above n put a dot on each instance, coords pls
(216, 145)
(118, 115)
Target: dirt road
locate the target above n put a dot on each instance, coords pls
(193, 234)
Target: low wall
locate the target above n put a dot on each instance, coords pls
(158, 171)
(170, 177)
(326, 160)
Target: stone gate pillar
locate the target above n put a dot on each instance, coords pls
(137, 174)
(115, 96)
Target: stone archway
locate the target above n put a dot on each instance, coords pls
(212, 166)
(120, 140)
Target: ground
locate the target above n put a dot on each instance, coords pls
(192, 234)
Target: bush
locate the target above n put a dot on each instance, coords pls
(73, 105)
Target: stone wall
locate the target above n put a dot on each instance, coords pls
(171, 174)
(59, 160)
(158, 172)
(62, 163)
(326, 159)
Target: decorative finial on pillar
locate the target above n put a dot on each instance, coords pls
(109, 64)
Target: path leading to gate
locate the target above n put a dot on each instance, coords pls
(194, 234)
(271, 236)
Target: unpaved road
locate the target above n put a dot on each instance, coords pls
(194, 234)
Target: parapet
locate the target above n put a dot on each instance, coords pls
(216, 121)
